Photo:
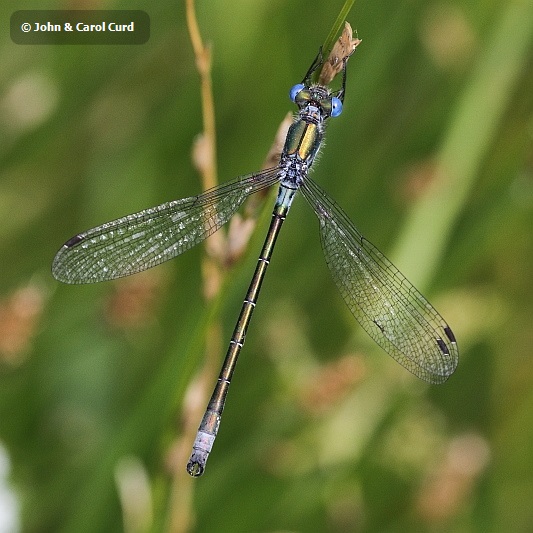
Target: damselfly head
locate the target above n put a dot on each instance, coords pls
(316, 99)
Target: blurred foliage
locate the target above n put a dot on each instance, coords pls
(432, 157)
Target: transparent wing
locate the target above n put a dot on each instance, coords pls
(386, 305)
(142, 240)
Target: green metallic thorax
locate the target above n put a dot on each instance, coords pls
(303, 139)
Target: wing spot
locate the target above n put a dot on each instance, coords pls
(449, 334)
(443, 347)
(74, 241)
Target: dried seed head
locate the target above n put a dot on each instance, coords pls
(342, 49)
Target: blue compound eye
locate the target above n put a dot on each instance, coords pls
(336, 106)
(295, 90)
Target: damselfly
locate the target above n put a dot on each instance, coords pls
(386, 305)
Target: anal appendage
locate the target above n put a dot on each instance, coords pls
(203, 443)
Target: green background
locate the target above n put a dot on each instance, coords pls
(322, 430)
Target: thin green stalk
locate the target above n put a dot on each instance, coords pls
(337, 27)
